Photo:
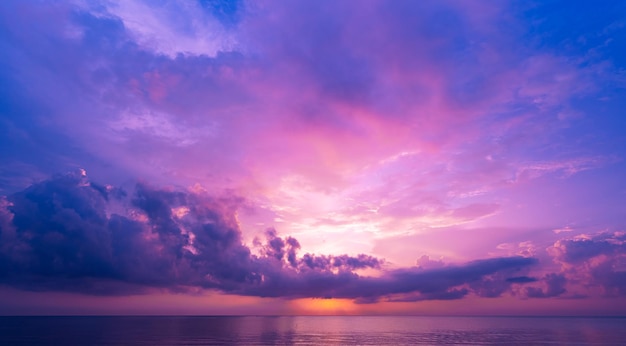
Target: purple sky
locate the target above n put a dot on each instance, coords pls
(270, 157)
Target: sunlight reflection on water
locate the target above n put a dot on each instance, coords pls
(311, 330)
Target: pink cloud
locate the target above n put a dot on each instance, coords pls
(398, 129)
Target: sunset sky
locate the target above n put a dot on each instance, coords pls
(312, 157)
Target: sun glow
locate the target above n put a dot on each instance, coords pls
(319, 306)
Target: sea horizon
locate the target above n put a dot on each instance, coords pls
(310, 315)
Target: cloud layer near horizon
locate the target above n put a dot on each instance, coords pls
(68, 234)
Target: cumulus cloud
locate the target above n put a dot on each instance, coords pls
(595, 261)
(70, 234)
(588, 265)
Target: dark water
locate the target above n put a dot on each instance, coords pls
(308, 330)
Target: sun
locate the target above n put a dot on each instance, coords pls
(324, 306)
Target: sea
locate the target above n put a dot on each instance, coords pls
(311, 330)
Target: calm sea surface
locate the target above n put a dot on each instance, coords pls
(308, 330)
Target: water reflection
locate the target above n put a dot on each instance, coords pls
(303, 330)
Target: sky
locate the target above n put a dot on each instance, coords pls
(313, 157)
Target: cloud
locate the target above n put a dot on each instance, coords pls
(64, 238)
(563, 229)
(452, 294)
(249, 95)
(391, 285)
(555, 286)
(70, 234)
(565, 167)
(521, 279)
(594, 261)
(588, 265)
(361, 122)
(427, 263)
(179, 27)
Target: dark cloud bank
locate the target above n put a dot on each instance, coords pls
(69, 234)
